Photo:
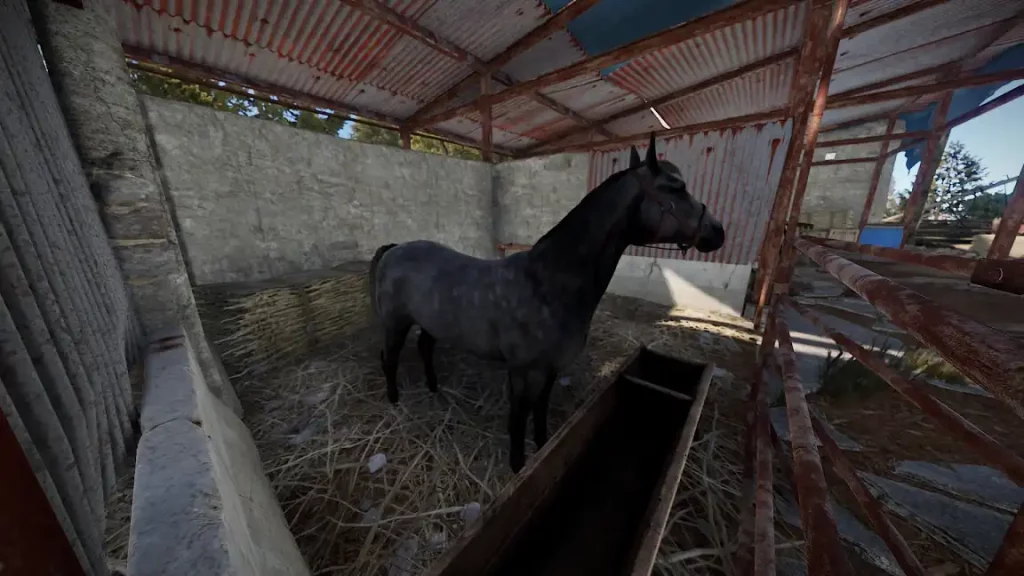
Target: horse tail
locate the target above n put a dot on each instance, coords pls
(374, 262)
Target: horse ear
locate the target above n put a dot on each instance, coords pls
(634, 157)
(652, 157)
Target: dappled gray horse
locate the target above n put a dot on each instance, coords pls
(532, 311)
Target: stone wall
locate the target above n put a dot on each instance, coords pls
(532, 195)
(87, 66)
(836, 194)
(202, 504)
(256, 199)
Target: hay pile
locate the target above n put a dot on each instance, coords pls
(371, 488)
(262, 325)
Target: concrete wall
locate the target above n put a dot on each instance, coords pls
(86, 64)
(202, 504)
(836, 194)
(256, 199)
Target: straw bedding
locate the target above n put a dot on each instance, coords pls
(371, 488)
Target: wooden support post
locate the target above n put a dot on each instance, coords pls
(1009, 224)
(406, 139)
(486, 129)
(930, 161)
(876, 175)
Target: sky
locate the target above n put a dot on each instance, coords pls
(996, 138)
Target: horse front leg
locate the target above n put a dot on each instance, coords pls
(394, 339)
(425, 345)
(518, 408)
(540, 409)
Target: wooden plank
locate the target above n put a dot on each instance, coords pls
(486, 129)
(930, 161)
(662, 505)
(1009, 224)
(511, 509)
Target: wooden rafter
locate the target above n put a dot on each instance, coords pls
(701, 26)
(193, 73)
(674, 96)
(558, 21)
(413, 29)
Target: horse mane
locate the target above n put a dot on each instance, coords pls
(579, 254)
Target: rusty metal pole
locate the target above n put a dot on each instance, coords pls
(992, 359)
(930, 161)
(1009, 560)
(800, 99)
(486, 129)
(785, 269)
(825, 555)
(1009, 224)
(876, 176)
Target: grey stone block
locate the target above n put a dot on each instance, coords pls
(168, 392)
(176, 509)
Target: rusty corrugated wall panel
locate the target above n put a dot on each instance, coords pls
(734, 172)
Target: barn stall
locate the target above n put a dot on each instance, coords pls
(253, 237)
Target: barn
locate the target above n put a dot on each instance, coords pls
(192, 190)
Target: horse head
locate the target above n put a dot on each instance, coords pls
(668, 214)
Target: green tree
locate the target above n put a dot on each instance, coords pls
(380, 135)
(173, 89)
(957, 182)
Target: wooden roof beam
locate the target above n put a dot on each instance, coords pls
(927, 89)
(553, 24)
(716, 20)
(414, 29)
(674, 96)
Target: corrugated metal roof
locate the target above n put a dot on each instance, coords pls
(734, 172)
(327, 49)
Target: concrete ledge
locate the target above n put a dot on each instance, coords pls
(684, 283)
(202, 504)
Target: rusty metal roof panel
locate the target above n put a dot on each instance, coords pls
(554, 52)
(734, 172)
(944, 51)
(592, 96)
(839, 115)
(861, 11)
(758, 91)
(687, 63)
(924, 28)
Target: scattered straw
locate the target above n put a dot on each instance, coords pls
(319, 425)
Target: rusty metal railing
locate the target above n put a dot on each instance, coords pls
(990, 358)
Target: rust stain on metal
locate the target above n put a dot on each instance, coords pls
(872, 508)
(1009, 560)
(825, 556)
(947, 263)
(992, 359)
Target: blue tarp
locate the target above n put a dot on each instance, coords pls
(614, 23)
(964, 100)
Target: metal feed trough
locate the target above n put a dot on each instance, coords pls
(596, 498)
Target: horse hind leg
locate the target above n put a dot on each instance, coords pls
(394, 340)
(540, 411)
(425, 345)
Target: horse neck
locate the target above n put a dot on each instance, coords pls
(574, 262)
